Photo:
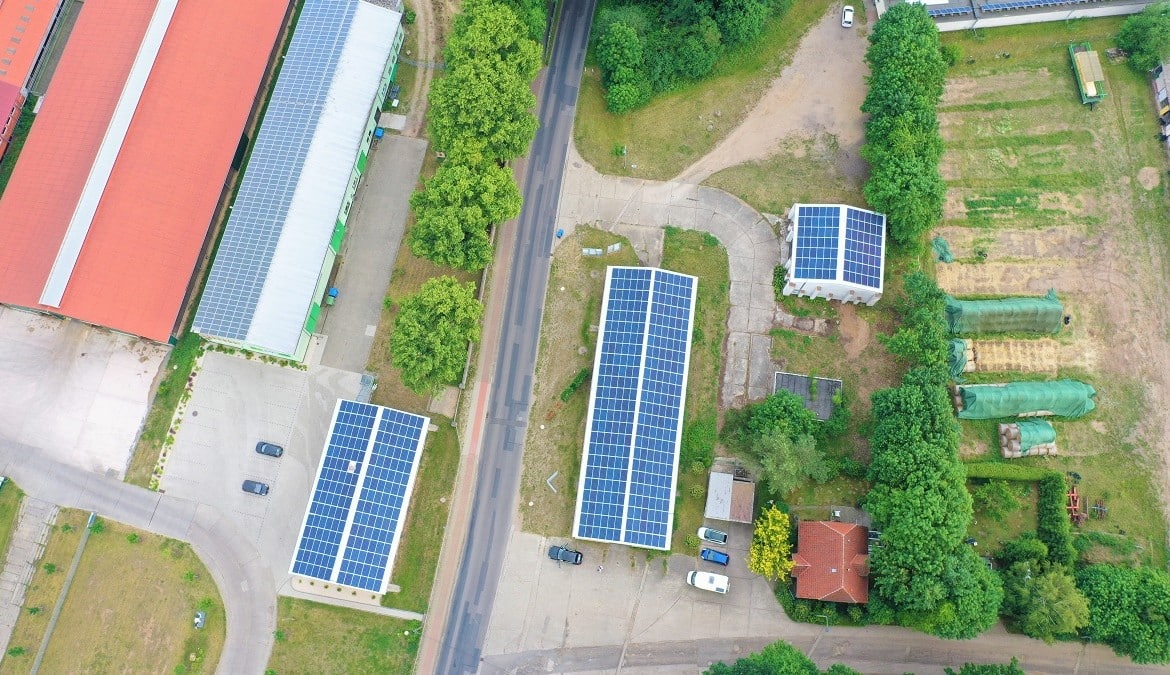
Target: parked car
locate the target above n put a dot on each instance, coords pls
(716, 583)
(270, 449)
(255, 487)
(564, 554)
(200, 619)
(713, 536)
(847, 16)
(717, 557)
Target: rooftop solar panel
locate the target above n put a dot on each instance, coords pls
(352, 525)
(626, 492)
(864, 235)
(838, 243)
(817, 238)
(274, 169)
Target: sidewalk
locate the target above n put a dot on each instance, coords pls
(24, 550)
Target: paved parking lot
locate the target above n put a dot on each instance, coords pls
(76, 392)
(235, 403)
(541, 604)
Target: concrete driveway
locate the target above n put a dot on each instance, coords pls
(73, 391)
(543, 605)
(235, 403)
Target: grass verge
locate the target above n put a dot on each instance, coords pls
(156, 430)
(16, 144)
(418, 554)
(131, 608)
(670, 133)
(699, 254)
(10, 498)
(316, 638)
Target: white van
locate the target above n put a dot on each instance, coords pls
(716, 583)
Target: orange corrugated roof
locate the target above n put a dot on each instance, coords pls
(24, 25)
(153, 217)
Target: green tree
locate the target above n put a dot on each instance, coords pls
(1024, 548)
(782, 410)
(1052, 522)
(1044, 600)
(777, 658)
(1146, 36)
(489, 32)
(786, 463)
(454, 210)
(740, 21)
(922, 335)
(1012, 668)
(479, 114)
(770, 555)
(995, 499)
(428, 343)
(620, 47)
(1129, 609)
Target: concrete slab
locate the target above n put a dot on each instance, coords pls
(236, 402)
(76, 391)
(376, 224)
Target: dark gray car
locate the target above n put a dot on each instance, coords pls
(255, 487)
(564, 554)
(270, 449)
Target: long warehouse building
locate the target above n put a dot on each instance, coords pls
(288, 221)
(109, 206)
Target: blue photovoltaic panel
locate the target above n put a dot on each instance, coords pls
(817, 236)
(274, 168)
(864, 238)
(363, 489)
(383, 500)
(626, 493)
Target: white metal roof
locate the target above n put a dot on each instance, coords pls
(288, 290)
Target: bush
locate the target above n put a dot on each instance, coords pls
(579, 379)
(952, 54)
(1052, 522)
(698, 440)
(1005, 471)
(995, 499)
(1146, 36)
(691, 542)
(1129, 609)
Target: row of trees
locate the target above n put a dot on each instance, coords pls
(924, 575)
(480, 118)
(649, 46)
(902, 141)
(781, 657)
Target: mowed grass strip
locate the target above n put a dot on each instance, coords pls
(132, 606)
(418, 552)
(702, 255)
(316, 638)
(668, 134)
(156, 430)
(567, 344)
(10, 498)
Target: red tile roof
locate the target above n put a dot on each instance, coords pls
(146, 236)
(24, 25)
(832, 562)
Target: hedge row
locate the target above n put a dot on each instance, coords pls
(1004, 471)
(1052, 522)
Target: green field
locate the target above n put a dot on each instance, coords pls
(316, 638)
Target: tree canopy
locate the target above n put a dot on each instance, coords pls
(454, 210)
(1012, 668)
(1146, 36)
(778, 657)
(1044, 601)
(770, 555)
(428, 343)
(786, 463)
(1129, 609)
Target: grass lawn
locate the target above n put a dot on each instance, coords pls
(701, 255)
(991, 528)
(668, 134)
(1041, 192)
(19, 136)
(418, 553)
(131, 608)
(156, 430)
(567, 342)
(10, 498)
(316, 638)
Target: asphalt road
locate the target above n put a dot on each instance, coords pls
(244, 581)
(499, 467)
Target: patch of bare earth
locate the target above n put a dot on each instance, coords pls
(818, 93)
(1148, 177)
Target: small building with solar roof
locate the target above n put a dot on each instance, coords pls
(837, 252)
(269, 276)
(361, 494)
(629, 471)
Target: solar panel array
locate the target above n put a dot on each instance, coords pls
(1028, 4)
(274, 168)
(839, 243)
(626, 493)
(363, 487)
(948, 11)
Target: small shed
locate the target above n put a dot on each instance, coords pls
(730, 498)
(821, 404)
(837, 252)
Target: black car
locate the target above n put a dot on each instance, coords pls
(270, 449)
(255, 487)
(563, 554)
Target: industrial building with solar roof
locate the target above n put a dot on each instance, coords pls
(837, 253)
(269, 277)
(629, 471)
(361, 494)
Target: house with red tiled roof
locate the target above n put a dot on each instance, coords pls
(832, 562)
